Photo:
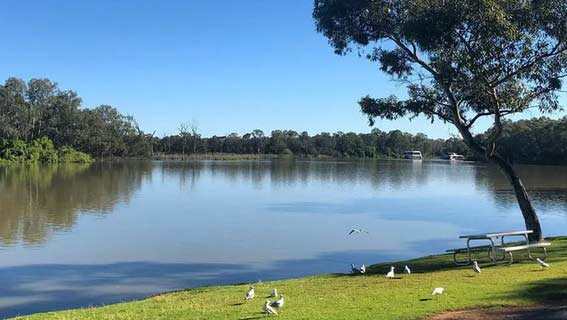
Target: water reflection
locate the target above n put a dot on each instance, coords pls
(547, 186)
(76, 236)
(36, 201)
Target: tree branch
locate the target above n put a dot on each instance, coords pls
(414, 56)
(552, 53)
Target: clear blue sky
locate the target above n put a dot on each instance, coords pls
(232, 66)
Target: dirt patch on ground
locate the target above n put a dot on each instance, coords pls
(508, 313)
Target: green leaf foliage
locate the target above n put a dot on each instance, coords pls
(40, 150)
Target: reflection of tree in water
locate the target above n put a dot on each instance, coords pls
(546, 185)
(379, 174)
(36, 201)
(286, 173)
(188, 173)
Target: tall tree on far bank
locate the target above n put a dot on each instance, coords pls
(258, 138)
(184, 134)
(461, 60)
(189, 132)
(195, 136)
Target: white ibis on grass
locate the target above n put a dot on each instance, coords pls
(438, 291)
(476, 267)
(278, 303)
(407, 270)
(542, 263)
(391, 274)
(250, 294)
(268, 308)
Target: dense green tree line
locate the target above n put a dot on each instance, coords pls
(40, 121)
(536, 141)
(376, 144)
(39, 109)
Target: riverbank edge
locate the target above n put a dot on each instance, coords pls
(261, 157)
(248, 156)
(433, 266)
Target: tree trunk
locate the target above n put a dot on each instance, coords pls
(531, 219)
(530, 216)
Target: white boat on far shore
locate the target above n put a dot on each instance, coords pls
(454, 157)
(413, 155)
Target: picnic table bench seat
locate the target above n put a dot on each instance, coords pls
(498, 249)
(511, 249)
(457, 251)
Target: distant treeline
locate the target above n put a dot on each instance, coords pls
(33, 111)
(376, 144)
(535, 141)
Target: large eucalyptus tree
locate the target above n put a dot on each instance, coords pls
(461, 60)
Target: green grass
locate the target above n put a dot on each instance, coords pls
(360, 297)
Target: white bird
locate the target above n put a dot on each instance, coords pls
(250, 294)
(274, 293)
(356, 230)
(268, 309)
(391, 273)
(476, 267)
(353, 268)
(278, 303)
(437, 291)
(407, 270)
(542, 263)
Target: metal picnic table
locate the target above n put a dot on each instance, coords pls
(493, 238)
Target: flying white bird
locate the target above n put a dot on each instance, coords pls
(274, 293)
(542, 263)
(268, 308)
(407, 270)
(437, 291)
(356, 230)
(391, 273)
(250, 294)
(278, 303)
(476, 267)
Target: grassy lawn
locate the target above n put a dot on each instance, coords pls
(360, 297)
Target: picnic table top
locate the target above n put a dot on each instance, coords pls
(496, 234)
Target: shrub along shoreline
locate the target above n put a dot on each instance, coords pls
(40, 150)
(370, 296)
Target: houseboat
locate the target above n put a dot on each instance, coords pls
(413, 155)
(454, 157)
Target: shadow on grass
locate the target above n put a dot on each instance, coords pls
(544, 292)
(259, 315)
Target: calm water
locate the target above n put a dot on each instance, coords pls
(77, 236)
